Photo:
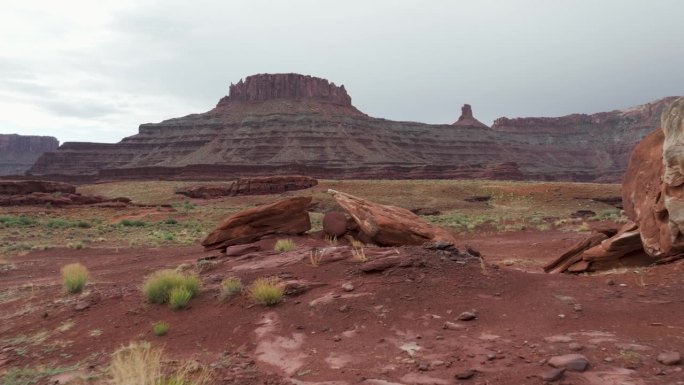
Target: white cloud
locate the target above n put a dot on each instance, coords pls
(95, 70)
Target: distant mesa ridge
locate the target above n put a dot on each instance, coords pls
(19, 152)
(277, 124)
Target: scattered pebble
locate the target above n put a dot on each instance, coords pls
(466, 374)
(573, 362)
(82, 305)
(610, 282)
(348, 287)
(467, 316)
(452, 326)
(344, 308)
(575, 347)
(577, 307)
(669, 358)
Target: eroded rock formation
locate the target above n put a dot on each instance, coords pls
(390, 225)
(37, 192)
(467, 119)
(653, 199)
(284, 216)
(251, 186)
(295, 124)
(19, 152)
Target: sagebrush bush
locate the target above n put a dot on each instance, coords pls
(160, 328)
(158, 286)
(284, 245)
(266, 291)
(74, 277)
(141, 364)
(179, 297)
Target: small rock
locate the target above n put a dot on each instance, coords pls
(436, 363)
(610, 282)
(552, 375)
(82, 305)
(573, 362)
(575, 347)
(423, 367)
(348, 287)
(452, 326)
(669, 358)
(344, 308)
(337, 338)
(467, 316)
(609, 359)
(466, 374)
(577, 307)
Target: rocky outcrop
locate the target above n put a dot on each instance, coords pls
(467, 119)
(251, 186)
(294, 124)
(285, 216)
(262, 87)
(653, 199)
(59, 200)
(22, 187)
(389, 225)
(19, 152)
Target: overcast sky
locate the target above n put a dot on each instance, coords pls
(85, 70)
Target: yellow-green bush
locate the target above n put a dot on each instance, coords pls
(74, 277)
(158, 287)
(284, 245)
(266, 291)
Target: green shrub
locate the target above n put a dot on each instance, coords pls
(170, 221)
(9, 221)
(158, 286)
(74, 277)
(58, 224)
(132, 223)
(284, 245)
(230, 286)
(266, 291)
(179, 297)
(160, 328)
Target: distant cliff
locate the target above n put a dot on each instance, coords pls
(272, 124)
(19, 152)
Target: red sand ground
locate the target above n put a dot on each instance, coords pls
(387, 331)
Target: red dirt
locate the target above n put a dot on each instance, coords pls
(522, 318)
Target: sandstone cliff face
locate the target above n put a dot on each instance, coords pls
(19, 152)
(295, 124)
(586, 147)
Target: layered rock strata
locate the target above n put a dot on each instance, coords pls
(276, 124)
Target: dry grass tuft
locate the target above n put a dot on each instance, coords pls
(284, 245)
(141, 364)
(159, 286)
(359, 255)
(74, 277)
(230, 286)
(266, 291)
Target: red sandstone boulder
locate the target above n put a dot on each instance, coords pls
(22, 187)
(653, 198)
(285, 216)
(251, 186)
(390, 225)
(335, 223)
